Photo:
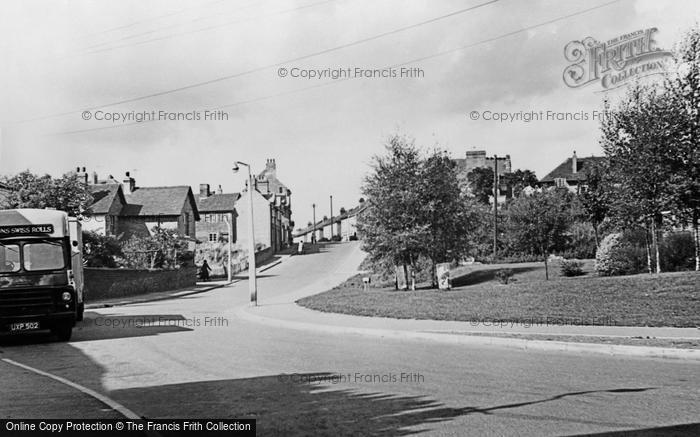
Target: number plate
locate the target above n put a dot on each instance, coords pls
(24, 326)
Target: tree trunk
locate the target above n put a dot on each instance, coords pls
(646, 245)
(655, 242)
(396, 276)
(595, 235)
(696, 239)
(546, 268)
(433, 274)
(405, 276)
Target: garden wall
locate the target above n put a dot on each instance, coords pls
(103, 283)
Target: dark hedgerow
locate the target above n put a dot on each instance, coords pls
(572, 268)
(504, 275)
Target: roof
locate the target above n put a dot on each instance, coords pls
(225, 202)
(267, 181)
(103, 196)
(564, 169)
(336, 218)
(155, 201)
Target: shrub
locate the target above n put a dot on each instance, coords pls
(353, 238)
(336, 238)
(504, 275)
(571, 268)
(677, 252)
(101, 250)
(617, 255)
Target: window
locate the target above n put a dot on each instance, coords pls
(43, 256)
(224, 237)
(560, 182)
(9, 258)
(213, 237)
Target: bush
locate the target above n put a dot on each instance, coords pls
(571, 268)
(677, 252)
(618, 255)
(504, 275)
(336, 238)
(101, 250)
(353, 238)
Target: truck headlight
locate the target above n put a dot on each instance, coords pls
(66, 296)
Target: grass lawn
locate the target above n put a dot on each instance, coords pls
(669, 299)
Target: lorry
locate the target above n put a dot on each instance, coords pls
(41, 271)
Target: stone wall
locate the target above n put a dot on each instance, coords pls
(103, 283)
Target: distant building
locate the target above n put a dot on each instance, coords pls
(272, 212)
(344, 225)
(478, 159)
(218, 215)
(571, 174)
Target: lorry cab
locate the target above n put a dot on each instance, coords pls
(41, 271)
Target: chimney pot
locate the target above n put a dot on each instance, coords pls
(574, 163)
(204, 191)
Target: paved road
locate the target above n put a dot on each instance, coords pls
(191, 357)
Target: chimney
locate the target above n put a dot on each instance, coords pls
(574, 164)
(128, 184)
(219, 190)
(270, 166)
(204, 191)
(95, 180)
(82, 175)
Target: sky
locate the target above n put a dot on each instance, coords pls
(71, 67)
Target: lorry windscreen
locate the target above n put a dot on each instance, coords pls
(9, 258)
(36, 255)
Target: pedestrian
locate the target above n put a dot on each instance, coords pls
(204, 271)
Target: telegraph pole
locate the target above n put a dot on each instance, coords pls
(331, 216)
(313, 235)
(495, 207)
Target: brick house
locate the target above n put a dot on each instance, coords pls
(123, 209)
(571, 174)
(218, 215)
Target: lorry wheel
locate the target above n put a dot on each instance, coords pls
(81, 311)
(62, 332)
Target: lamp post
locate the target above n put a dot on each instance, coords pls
(313, 235)
(229, 221)
(252, 279)
(331, 217)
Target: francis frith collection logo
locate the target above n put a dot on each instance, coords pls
(615, 62)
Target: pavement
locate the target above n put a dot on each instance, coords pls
(200, 287)
(281, 311)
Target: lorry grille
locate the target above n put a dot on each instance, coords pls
(26, 302)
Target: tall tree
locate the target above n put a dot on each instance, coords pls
(480, 183)
(595, 199)
(67, 193)
(444, 210)
(518, 180)
(391, 228)
(537, 224)
(684, 88)
(639, 138)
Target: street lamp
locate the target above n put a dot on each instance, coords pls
(252, 280)
(313, 236)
